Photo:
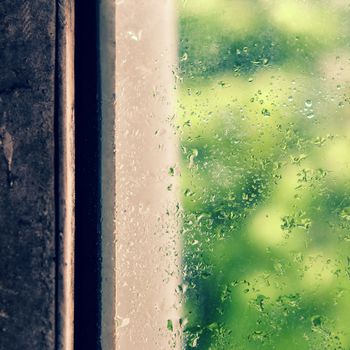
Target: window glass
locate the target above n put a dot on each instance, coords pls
(263, 120)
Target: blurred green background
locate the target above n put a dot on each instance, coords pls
(263, 117)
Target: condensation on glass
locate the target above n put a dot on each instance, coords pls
(140, 245)
(264, 119)
(226, 174)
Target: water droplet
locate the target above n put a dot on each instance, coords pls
(308, 103)
(310, 115)
(290, 98)
(184, 57)
(122, 322)
(316, 321)
(135, 36)
(266, 113)
(188, 193)
(169, 325)
(265, 61)
(345, 214)
(223, 84)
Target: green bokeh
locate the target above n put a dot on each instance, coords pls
(264, 121)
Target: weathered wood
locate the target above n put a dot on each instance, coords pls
(65, 173)
(27, 193)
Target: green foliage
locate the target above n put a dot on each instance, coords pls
(263, 119)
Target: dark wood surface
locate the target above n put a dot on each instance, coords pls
(27, 191)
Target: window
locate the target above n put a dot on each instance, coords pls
(264, 126)
(225, 204)
(140, 253)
